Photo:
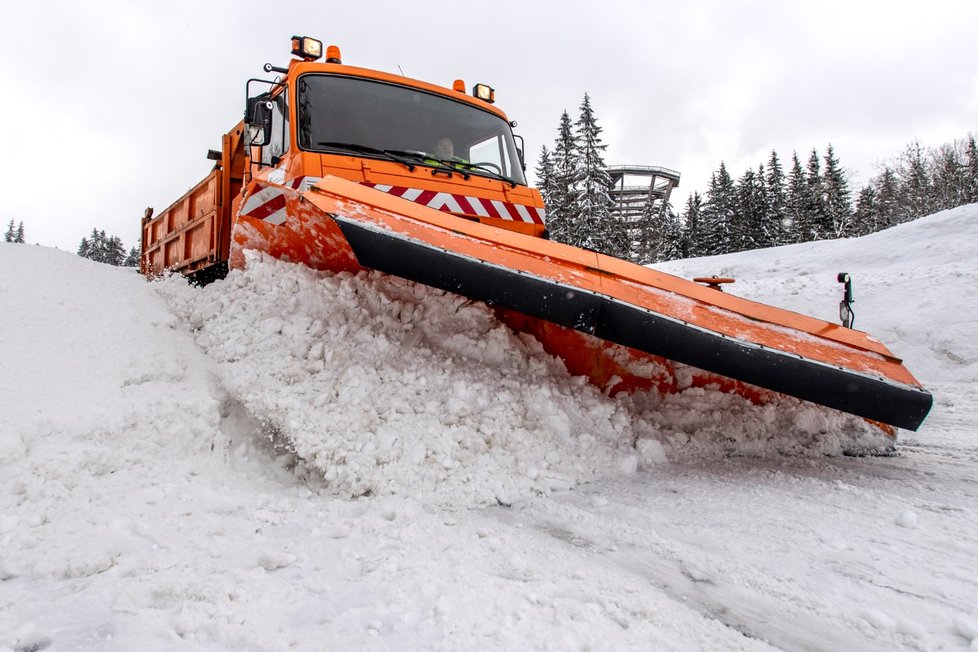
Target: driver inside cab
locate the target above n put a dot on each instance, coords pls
(444, 154)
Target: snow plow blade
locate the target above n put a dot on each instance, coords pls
(629, 315)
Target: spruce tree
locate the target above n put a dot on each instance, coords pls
(650, 234)
(948, 178)
(546, 179)
(795, 209)
(838, 198)
(866, 214)
(596, 228)
(563, 219)
(813, 215)
(132, 258)
(11, 232)
(889, 195)
(776, 218)
(971, 170)
(718, 213)
(115, 251)
(102, 248)
(673, 237)
(915, 183)
(692, 241)
(745, 226)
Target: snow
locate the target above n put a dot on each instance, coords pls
(295, 460)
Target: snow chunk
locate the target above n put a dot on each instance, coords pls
(907, 519)
(274, 560)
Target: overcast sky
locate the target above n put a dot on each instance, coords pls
(112, 106)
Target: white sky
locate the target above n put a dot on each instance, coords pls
(111, 106)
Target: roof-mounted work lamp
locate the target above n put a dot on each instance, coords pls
(308, 49)
(484, 93)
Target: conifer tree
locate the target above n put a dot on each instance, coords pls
(132, 258)
(718, 211)
(864, 217)
(814, 217)
(102, 248)
(546, 179)
(674, 238)
(971, 170)
(115, 251)
(746, 224)
(795, 209)
(563, 218)
(11, 232)
(648, 235)
(19, 236)
(691, 243)
(838, 198)
(915, 183)
(888, 198)
(596, 227)
(948, 178)
(776, 193)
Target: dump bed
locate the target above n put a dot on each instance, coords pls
(193, 235)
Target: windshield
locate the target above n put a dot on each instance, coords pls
(334, 109)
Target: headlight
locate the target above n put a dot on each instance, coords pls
(309, 49)
(484, 93)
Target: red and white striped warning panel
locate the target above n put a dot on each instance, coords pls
(450, 202)
(268, 204)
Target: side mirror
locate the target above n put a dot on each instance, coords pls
(258, 121)
(519, 149)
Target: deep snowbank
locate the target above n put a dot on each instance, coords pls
(383, 386)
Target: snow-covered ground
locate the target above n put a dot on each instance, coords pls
(293, 460)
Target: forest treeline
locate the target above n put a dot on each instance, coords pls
(768, 205)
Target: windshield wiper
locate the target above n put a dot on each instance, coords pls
(440, 165)
(483, 167)
(389, 154)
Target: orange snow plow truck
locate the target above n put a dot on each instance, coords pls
(346, 169)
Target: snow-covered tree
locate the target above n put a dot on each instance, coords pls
(915, 183)
(866, 213)
(595, 225)
(645, 247)
(776, 219)
(19, 236)
(718, 213)
(751, 205)
(102, 248)
(563, 218)
(692, 243)
(814, 218)
(971, 170)
(795, 209)
(11, 232)
(838, 198)
(546, 177)
(132, 258)
(674, 235)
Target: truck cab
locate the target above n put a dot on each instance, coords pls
(436, 146)
(440, 147)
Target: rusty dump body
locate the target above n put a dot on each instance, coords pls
(351, 176)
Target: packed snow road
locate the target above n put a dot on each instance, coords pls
(814, 554)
